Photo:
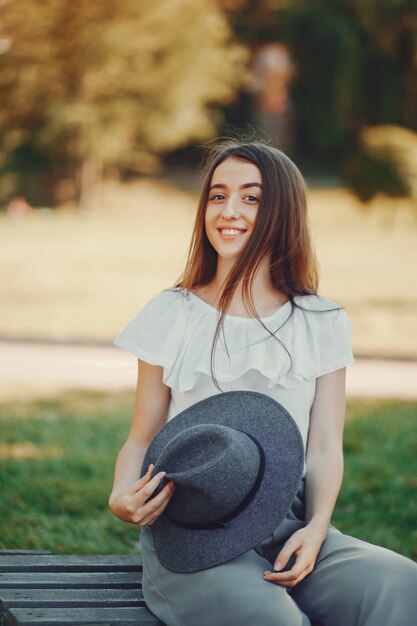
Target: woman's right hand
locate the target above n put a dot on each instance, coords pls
(130, 504)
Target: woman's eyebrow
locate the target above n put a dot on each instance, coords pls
(244, 186)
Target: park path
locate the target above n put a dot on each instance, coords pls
(32, 369)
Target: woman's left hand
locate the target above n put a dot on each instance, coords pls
(305, 544)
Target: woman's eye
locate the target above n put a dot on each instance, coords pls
(217, 196)
(252, 198)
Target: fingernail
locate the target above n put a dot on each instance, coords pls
(161, 474)
(277, 566)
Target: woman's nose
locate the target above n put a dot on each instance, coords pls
(231, 208)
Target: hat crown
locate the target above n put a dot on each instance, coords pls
(214, 468)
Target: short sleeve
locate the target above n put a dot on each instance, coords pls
(154, 333)
(335, 344)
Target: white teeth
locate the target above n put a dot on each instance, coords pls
(231, 231)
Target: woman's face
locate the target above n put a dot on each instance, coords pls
(234, 196)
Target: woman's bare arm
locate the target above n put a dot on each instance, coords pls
(324, 461)
(324, 457)
(127, 500)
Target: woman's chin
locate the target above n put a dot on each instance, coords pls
(229, 254)
(230, 249)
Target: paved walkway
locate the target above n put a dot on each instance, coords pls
(35, 369)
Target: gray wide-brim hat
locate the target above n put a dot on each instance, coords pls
(237, 460)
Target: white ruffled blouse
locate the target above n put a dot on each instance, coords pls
(175, 330)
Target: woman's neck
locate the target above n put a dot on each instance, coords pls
(265, 296)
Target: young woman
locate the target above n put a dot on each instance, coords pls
(246, 316)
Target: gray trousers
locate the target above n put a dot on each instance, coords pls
(354, 583)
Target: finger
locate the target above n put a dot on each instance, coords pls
(292, 582)
(148, 489)
(140, 511)
(290, 575)
(142, 481)
(285, 554)
(155, 502)
(153, 516)
(150, 519)
(300, 569)
(302, 562)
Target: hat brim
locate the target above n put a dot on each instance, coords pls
(184, 550)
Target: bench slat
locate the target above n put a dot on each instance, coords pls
(79, 580)
(59, 590)
(65, 563)
(58, 598)
(78, 617)
(8, 552)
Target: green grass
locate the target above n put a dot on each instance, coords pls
(378, 500)
(60, 504)
(55, 496)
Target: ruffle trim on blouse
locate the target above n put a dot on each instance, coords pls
(175, 330)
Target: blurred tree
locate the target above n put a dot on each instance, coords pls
(115, 82)
(356, 63)
(389, 30)
(327, 52)
(386, 162)
(368, 175)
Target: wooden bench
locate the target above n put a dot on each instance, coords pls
(41, 589)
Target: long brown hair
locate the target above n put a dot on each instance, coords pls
(281, 228)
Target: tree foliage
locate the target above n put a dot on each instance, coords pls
(115, 81)
(327, 53)
(356, 63)
(386, 162)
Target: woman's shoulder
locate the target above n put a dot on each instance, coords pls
(319, 312)
(317, 302)
(152, 333)
(169, 296)
(320, 336)
(160, 310)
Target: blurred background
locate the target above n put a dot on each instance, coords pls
(104, 108)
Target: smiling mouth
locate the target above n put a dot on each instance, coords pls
(231, 231)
